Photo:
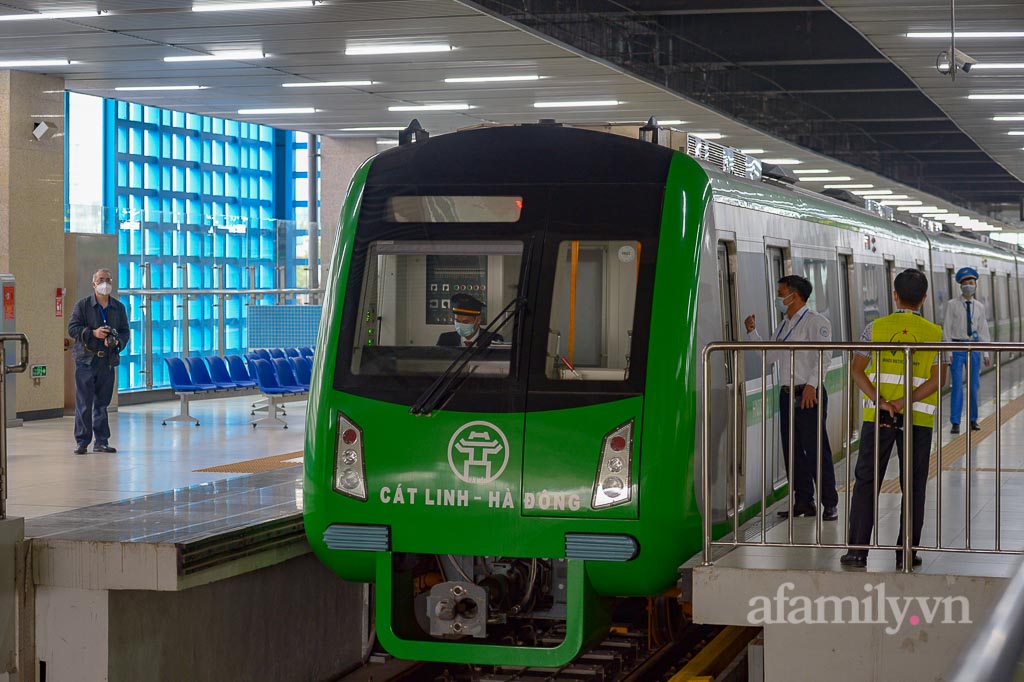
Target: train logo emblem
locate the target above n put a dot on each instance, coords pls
(478, 452)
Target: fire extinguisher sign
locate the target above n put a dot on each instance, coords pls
(58, 303)
(8, 303)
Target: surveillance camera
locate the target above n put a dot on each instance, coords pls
(961, 62)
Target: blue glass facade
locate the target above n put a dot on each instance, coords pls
(206, 203)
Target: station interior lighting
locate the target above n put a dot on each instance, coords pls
(248, 6)
(854, 185)
(362, 49)
(997, 97)
(810, 171)
(783, 162)
(707, 135)
(431, 107)
(873, 193)
(69, 14)
(752, 151)
(372, 129)
(327, 84)
(142, 88)
(901, 202)
(828, 178)
(242, 55)
(580, 103)
(36, 62)
(966, 34)
(278, 110)
(1008, 118)
(492, 79)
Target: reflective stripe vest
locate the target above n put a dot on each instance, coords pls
(903, 328)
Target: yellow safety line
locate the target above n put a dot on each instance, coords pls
(573, 271)
(717, 655)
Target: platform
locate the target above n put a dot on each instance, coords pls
(927, 615)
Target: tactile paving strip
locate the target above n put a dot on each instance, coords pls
(252, 466)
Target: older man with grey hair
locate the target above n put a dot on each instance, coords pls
(99, 326)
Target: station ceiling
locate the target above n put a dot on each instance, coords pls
(790, 77)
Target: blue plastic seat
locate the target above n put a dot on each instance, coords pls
(201, 375)
(219, 372)
(266, 378)
(286, 377)
(276, 353)
(239, 374)
(292, 352)
(181, 382)
(303, 371)
(306, 351)
(262, 353)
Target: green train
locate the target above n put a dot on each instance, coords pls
(502, 481)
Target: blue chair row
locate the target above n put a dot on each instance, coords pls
(282, 380)
(271, 353)
(195, 376)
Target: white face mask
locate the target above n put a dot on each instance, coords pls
(104, 288)
(780, 303)
(465, 329)
(968, 289)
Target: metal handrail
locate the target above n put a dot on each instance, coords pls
(735, 348)
(177, 291)
(994, 652)
(8, 369)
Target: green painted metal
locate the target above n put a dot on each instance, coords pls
(408, 472)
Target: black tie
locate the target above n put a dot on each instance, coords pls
(970, 326)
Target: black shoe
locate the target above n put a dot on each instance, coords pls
(830, 514)
(799, 510)
(975, 427)
(916, 561)
(103, 448)
(80, 450)
(954, 429)
(854, 560)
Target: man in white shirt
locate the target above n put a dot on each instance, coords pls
(802, 324)
(964, 320)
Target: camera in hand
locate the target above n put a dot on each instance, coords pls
(112, 338)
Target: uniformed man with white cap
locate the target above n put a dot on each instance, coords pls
(964, 320)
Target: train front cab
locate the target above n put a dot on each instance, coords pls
(550, 441)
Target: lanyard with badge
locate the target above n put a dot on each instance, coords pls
(791, 329)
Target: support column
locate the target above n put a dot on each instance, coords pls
(32, 226)
(339, 160)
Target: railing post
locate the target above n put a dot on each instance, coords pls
(706, 456)
(792, 420)
(967, 482)
(6, 369)
(908, 459)
(999, 445)
(764, 442)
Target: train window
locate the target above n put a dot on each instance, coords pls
(422, 302)
(454, 209)
(950, 288)
(871, 291)
(591, 324)
(846, 302)
(984, 294)
(1004, 330)
(1015, 319)
(726, 287)
(776, 271)
(890, 279)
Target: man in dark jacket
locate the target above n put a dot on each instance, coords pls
(467, 310)
(99, 326)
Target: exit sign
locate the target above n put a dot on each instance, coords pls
(38, 371)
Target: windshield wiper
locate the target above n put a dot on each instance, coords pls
(450, 380)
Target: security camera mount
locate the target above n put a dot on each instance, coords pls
(954, 60)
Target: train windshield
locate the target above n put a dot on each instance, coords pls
(423, 302)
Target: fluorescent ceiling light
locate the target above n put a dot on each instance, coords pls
(1016, 132)
(1008, 65)
(396, 48)
(372, 129)
(809, 171)
(141, 88)
(782, 162)
(831, 178)
(384, 142)
(920, 209)
(671, 122)
(996, 97)
(70, 14)
(944, 215)
(848, 186)
(36, 62)
(491, 79)
(327, 84)
(580, 103)
(967, 34)
(224, 56)
(873, 193)
(900, 202)
(1008, 118)
(431, 107)
(752, 151)
(279, 110)
(245, 6)
(708, 136)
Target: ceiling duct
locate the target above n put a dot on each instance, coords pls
(845, 195)
(780, 173)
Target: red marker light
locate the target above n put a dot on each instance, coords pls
(349, 436)
(618, 444)
(519, 204)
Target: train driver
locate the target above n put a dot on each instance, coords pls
(964, 320)
(802, 324)
(467, 310)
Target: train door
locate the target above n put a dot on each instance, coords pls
(779, 265)
(1015, 319)
(726, 256)
(950, 283)
(890, 277)
(986, 294)
(930, 311)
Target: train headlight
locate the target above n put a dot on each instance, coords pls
(349, 468)
(612, 484)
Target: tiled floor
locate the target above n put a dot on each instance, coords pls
(954, 516)
(46, 477)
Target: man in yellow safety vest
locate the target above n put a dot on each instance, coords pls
(886, 370)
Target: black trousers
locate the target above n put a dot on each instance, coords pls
(862, 514)
(805, 449)
(94, 387)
